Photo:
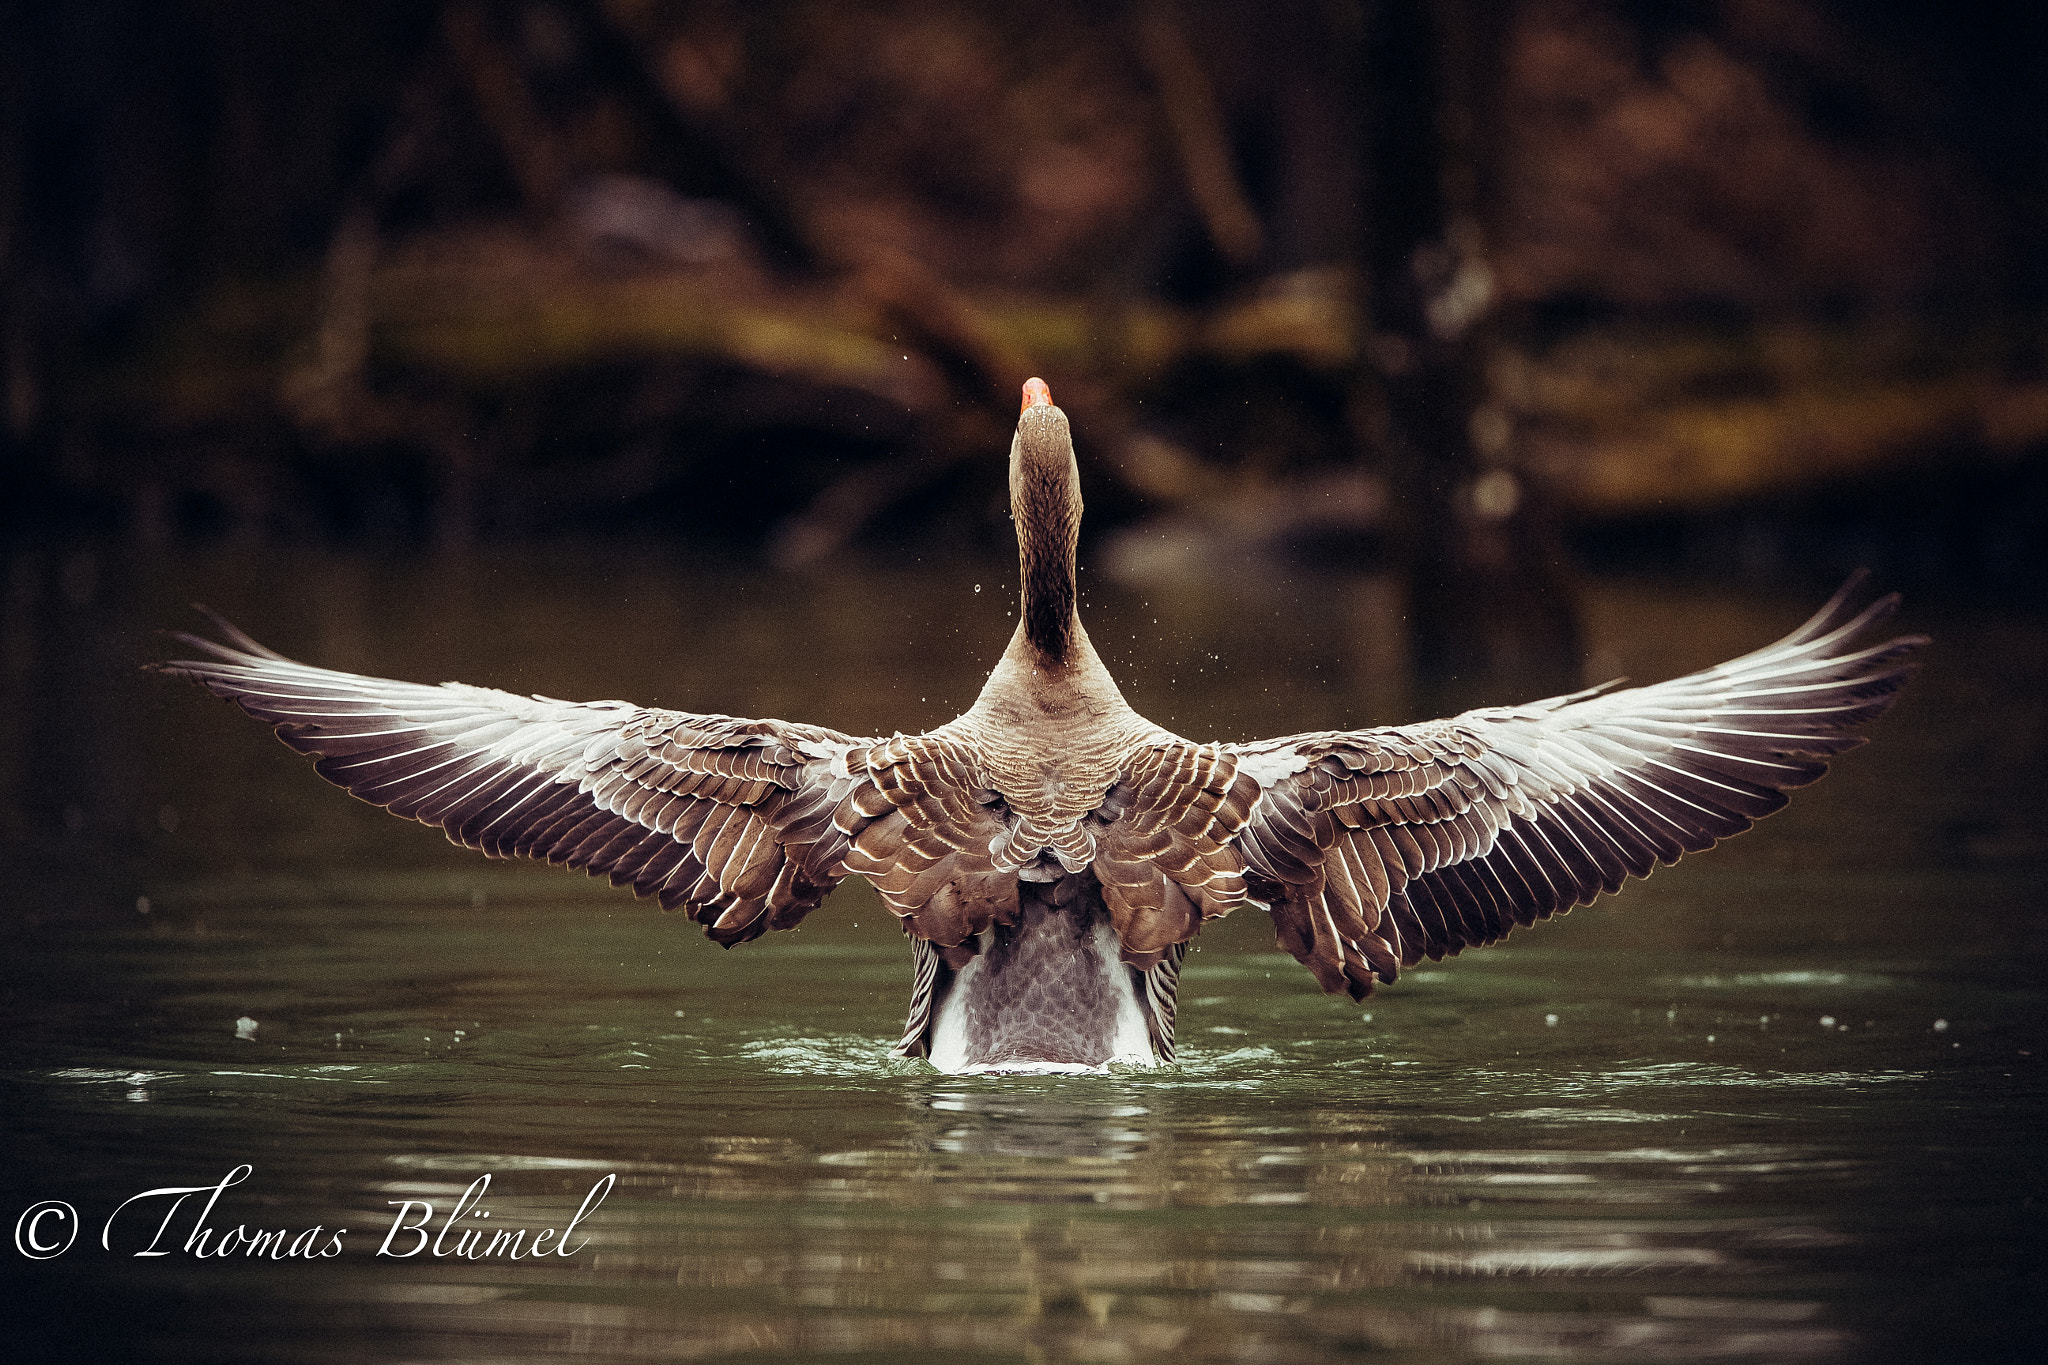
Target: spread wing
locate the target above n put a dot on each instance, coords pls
(1375, 848)
(746, 823)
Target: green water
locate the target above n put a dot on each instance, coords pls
(1626, 1136)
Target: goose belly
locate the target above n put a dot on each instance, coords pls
(1049, 996)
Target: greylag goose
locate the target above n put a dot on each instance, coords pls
(1051, 852)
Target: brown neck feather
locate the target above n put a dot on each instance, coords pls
(1045, 499)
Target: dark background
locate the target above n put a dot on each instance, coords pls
(1419, 355)
(1745, 288)
(1481, 300)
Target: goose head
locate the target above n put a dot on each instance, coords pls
(1045, 503)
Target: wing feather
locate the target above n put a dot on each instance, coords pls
(728, 818)
(1460, 829)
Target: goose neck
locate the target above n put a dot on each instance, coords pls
(1045, 500)
(1045, 562)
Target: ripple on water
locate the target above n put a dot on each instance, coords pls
(848, 1056)
(99, 1075)
(1860, 981)
(1588, 1115)
(507, 1161)
(1675, 1075)
(328, 1073)
(857, 1057)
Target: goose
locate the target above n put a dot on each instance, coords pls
(1051, 853)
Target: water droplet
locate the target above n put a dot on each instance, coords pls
(1941, 1026)
(1550, 1021)
(1827, 1021)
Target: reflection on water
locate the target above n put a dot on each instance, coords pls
(1778, 1104)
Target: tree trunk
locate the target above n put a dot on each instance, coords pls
(1489, 606)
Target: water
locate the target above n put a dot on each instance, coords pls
(1781, 1103)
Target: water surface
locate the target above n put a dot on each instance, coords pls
(1781, 1103)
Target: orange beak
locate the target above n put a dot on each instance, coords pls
(1035, 393)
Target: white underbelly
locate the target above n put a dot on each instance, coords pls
(954, 1045)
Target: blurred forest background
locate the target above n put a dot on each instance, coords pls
(1482, 293)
